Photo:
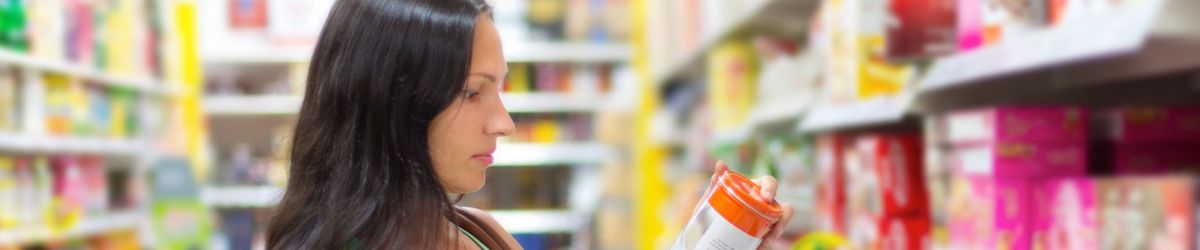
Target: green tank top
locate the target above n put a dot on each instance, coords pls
(473, 239)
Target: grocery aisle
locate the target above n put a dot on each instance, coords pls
(889, 124)
(922, 124)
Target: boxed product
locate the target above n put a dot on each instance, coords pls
(938, 186)
(1015, 124)
(1147, 212)
(1065, 10)
(904, 233)
(732, 74)
(1066, 215)
(990, 213)
(896, 161)
(1155, 159)
(1153, 124)
(922, 28)
(985, 22)
(863, 195)
(831, 192)
(1020, 160)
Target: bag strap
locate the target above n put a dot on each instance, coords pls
(480, 229)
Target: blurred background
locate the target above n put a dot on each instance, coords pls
(890, 124)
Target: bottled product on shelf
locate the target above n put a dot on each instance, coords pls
(732, 74)
(13, 34)
(116, 239)
(118, 37)
(84, 109)
(47, 197)
(576, 20)
(9, 108)
(851, 37)
(573, 79)
(550, 128)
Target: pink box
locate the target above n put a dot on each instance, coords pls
(1020, 160)
(990, 213)
(1153, 124)
(1016, 124)
(1066, 214)
(1155, 159)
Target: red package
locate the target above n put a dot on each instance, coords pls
(831, 194)
(904, 233)
(922, 28)
(1154, 125)
(896, 160)
(247, 14)
(1155, 159)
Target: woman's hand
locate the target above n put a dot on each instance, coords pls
(767, 186)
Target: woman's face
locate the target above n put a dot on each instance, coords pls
(463, 137)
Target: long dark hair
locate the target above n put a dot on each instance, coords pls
(360, 166)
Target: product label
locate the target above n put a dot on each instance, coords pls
(709, 231)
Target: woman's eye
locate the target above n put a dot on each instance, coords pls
(470, 95)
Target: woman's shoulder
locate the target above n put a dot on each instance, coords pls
(491, 222)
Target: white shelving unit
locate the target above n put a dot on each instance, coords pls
(48, 144)
(252, 105)
(550, 103)
(563, 153)
(566, 52)
(875, 111)
(241, 196)
(1138, 40)
(537, 221)
(289, 105)
(142, 84)
(90, 226)
(1143, 39)
(515, 52)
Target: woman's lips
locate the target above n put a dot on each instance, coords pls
(486, 159)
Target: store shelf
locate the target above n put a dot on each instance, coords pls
(256, 54)
(865, 113)
(1103, 36)
(566, 52)
(252, 105)
(287, 105)
(140, 83)
(51, 144)
(515, 52)
(549, 103)
(241, 196)
(1139, 40)
(542, 154)
(537, 221)
(784, 17)
(92, 225)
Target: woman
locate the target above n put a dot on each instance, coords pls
(402, 112)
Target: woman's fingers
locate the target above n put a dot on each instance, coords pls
(717, 170)
(777, 229)
(766, 187)
(784, 220)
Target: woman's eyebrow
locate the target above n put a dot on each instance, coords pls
(489, 76)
